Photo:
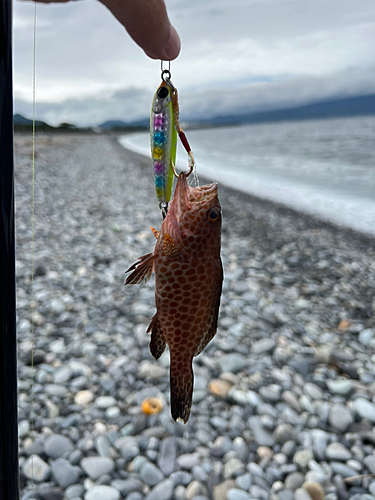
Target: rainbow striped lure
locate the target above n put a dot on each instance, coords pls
(164, 127)
(163, 135)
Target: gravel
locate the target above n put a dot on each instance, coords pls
(284, 398)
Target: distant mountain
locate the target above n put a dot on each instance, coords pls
(120, 124)
(111, 124)
(329, 108)
(21, 120)
(22, 124)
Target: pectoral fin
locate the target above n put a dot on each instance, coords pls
(142, 270)
(170, 248)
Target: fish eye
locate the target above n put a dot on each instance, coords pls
(163, 92)
(213, 214)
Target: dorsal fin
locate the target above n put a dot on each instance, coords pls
(156, 232)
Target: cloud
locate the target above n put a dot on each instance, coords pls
(133, 103)
(243, 54)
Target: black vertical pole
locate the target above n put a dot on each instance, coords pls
(9, 483)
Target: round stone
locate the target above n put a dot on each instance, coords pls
(313, 391)
(342, 387)
(219, 388)
(62, 375)
(127, 486)
(294, 480)
(233, 468)
(301, 494)
(370, 463)
(74, 491)
(102, 492)
(167, 455)
(188, 461)
(57, 306)
(57, 390)
(365, 409)
(232, 362)
(336, 451)
(340, 417)
(221, 446)
(314, 489)
(263, 345)
(302, 458)
(113, 412)
(97, 466)
(83, 398)
(150, 474)
(261, 435)
(36, 468)
(104, 402)
(284, 433)
(244, 482)
(23, 428)
(343, 470)
(57, 446)
(365, 336)
(163, 490)
(64, 473)
(236, 494)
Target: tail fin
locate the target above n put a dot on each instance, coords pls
(182, 379)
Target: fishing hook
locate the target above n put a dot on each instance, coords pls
(192, 163)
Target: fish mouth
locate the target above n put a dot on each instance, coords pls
(185, 199)
(187, 196)
(202, 194)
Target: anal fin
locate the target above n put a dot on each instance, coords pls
(142, 270)
(212, 327)
(157, 343)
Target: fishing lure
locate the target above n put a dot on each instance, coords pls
(164, 127)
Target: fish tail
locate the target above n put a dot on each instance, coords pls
(182, 379)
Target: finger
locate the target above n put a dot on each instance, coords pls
(52, 1)
(147, 23)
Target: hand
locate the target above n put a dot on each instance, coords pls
(147, 23)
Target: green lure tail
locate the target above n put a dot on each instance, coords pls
(163, 137)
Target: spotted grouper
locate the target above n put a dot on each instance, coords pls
(188, 282)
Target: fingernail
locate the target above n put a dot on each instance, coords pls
(173, 46)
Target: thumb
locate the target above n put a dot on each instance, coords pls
(147, 23)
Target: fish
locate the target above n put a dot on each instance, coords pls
(163, 140)
(188, 284)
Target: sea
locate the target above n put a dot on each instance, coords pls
(321, 167)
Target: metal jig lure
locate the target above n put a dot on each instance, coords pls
(164, 127)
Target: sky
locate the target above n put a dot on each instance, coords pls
(237, 56)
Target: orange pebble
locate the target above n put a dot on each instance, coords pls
(151, 406)
(343, 325)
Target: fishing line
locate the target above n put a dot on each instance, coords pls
(32, 252)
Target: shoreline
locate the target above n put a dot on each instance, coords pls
(343, 207)
(310, 220)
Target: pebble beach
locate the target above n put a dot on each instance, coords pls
(284, 397)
